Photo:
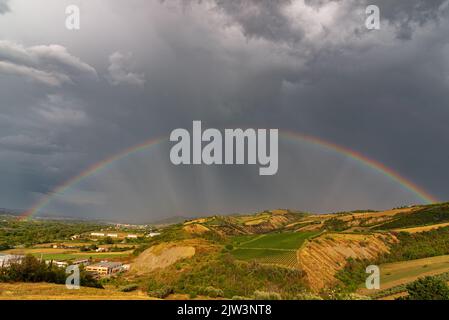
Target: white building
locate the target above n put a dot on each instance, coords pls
(126, 267)
(105, 268)
(84, 262)
(60, 264)
(132, 236)
(153, 234)
(7, 259)
(97, 234)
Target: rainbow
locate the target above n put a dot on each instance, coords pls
(354, 155)
(365, 161)
(91, 170)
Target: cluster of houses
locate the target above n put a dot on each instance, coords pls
(100, 269)
(153, 234)
(7, 259)
(117, 235)
(106, 268)
(112, 235)
(63, 264)
(131, 226)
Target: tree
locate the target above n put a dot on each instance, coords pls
(108, 240)
(30, 269)
(428, 288)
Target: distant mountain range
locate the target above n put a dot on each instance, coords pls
(49, 216)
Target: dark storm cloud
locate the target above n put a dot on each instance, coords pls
(69, 100)
(261, 19)
(267, 19)
(406, 15)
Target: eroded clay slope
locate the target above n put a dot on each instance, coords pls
(160, 256)
(322, 257)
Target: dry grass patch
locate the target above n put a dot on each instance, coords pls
(422, 228)
(195, 228)
(49, 291)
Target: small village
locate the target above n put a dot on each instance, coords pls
(102, 253)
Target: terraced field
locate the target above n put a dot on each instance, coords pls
(276, 248)
(285, 240)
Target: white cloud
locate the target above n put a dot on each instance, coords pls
(53, 79)
(120, 71)
(52, 65)
(53, 54)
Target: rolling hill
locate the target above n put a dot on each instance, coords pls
(280, 253)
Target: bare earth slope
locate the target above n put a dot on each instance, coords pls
(322, 257)
(160, 256)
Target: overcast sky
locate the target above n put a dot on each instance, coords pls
(138, 69)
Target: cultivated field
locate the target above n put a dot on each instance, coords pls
(398, 273)
(277, 248)
(286, 240)
(422, 228)
(67, 254)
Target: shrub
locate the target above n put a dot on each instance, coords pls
(211, 292)
(4, 246)
(140, 249)
(193, 295)
(428, 288)
(266, 295)
(307, 296)
(161, 293)
(240, 298)
(31, 269)
(129, 288)
(353, 274)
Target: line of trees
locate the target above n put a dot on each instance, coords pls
(30, 269)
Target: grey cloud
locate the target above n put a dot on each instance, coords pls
(405, 15)
(269, 19)
(120, 71)
(49, 78)
(4, 7)
(28, 144)
(56, 54)
(57, 111)
(262, 19)
(52, 65)
(369, 91)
